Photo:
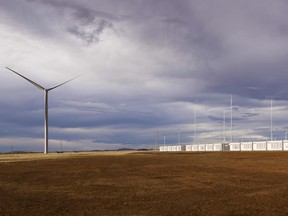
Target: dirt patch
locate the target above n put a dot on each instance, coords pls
(146, 183)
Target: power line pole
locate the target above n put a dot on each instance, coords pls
(224, 125)
(271, 120)
(195, 122)
(231, 126)
(157, 134)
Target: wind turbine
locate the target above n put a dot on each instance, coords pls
(45, 104)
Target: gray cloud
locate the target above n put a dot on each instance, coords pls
(84, 23)
(90, 36)
(147, 65)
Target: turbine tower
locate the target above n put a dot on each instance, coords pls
(45, 104)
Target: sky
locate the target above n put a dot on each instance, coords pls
(150, 72)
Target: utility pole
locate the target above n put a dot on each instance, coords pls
(224, 125)
(195, 122)
(157, 134)
(231, 126)
(271, 120)
(179, 141)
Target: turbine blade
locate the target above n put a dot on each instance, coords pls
(62, 83)
(32, 82)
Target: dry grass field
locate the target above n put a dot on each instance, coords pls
(145, 183)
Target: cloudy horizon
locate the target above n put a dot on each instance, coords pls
(146, 67)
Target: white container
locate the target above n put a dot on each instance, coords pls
(178, 148)
(174, 148)
(201, 147)
(194, 147)
(217, 146)
(161, 148)
(165, 148)
(260, 146)
(209, 147)
(188, 148)
(275, 145)
(169, 148)
(246, 146)
(285, 145)
(235, 146)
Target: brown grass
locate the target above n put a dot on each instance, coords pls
(41, 156)
(145, 183)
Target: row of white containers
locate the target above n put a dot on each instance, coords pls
(279, 145)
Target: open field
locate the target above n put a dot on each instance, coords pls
(40, 156)
(145, 183)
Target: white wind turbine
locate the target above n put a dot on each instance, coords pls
(45, 104)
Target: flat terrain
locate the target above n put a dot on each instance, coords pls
(145, 183)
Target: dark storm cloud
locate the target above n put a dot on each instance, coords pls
(84, 23)
(92, 35)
